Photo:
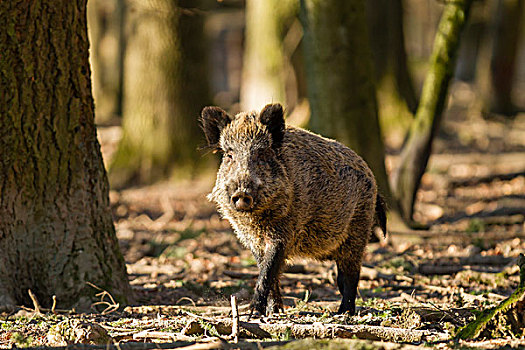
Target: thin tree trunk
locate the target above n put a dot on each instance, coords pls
(56, 230)
(417, 150)
(340, 80)
(165, 88)
(263, 75)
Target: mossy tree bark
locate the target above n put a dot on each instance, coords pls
(56, 230)
(263, 75)
(417, 150)
(497, 65)
(339, 77)
(165, 88)
(105, 28)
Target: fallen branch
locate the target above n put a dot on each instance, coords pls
(320, 330)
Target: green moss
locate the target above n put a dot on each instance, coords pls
(475, 225)
(21, 340)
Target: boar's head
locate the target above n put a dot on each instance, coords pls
(252, 178)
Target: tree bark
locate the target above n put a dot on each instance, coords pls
(165, 89)
(339, 77)
(263, 75)
(416, 152)
(56, 230)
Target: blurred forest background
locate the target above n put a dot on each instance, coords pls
(156, 64)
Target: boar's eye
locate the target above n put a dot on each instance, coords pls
(228, 155)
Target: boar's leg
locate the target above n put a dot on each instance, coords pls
(275, 302)
(347, 281)
(270, 263)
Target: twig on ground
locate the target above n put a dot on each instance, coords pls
(149, 334)
(445, 312)
(54, 304)
(187, 298)
(235, 319)
(36, 305)
(112, 306)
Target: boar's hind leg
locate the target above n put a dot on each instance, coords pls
(270, 264)
(347, 281)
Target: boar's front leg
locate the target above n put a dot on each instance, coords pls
(275, 302)
(270, 263)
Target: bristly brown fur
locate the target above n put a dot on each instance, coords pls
(302, 195)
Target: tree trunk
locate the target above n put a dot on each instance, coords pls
(56, 230)
(387, 40)
(339, 77)
(395, 90)
(165, 89)
(105, 24)
(263, 75)
(417, 150)
(498, 59)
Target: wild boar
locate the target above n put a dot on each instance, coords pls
(287, 193)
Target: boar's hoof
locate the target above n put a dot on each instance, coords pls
(242, 201)
(346, 309)
(258, 305)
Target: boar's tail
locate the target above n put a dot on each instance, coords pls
(381, 213)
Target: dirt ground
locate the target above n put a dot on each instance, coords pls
(185, 264)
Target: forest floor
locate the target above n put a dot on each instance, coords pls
(417, 287)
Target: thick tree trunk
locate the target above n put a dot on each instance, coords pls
(340, 80)
(165, 89)
(417, 150)
(263, 75)
(56, 230)
(498, 58)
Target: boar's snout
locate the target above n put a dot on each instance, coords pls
(242, 201)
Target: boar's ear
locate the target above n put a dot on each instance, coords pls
(213, 120)
(272, 116)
